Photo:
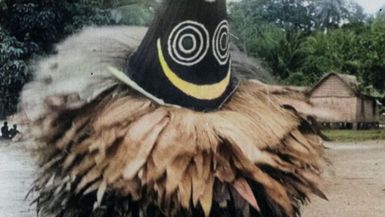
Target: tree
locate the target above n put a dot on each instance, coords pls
(356, 12)
(330, 13)
(13, 70)
(31, 27)
(286, 14)
(373, 56)
(334, 13)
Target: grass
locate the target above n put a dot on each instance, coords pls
(355, 135)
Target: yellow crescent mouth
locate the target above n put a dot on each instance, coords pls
(202, 92)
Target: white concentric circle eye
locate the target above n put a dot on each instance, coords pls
(220, 42)
(188, 43)
(183, 47)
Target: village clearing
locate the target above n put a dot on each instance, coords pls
(354, 184)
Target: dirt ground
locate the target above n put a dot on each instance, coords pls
(16, 177)
(355, 184)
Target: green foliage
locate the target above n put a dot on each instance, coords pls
(373, 54)
(286, 14)
(13, 70)
(300, 51)
(31, 27)
(12, 53)
(47, 22)
(354, 50)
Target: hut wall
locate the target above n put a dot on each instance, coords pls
(341, 104)
(366, 110)
(341, 109)
(336, 97)
(376, 111)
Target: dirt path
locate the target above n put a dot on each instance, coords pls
(355, 185)
(16, 177)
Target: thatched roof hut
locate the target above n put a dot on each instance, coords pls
(339, 94)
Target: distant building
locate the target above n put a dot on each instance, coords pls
(339, 94)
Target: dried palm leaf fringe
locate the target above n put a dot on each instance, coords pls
(122, 155)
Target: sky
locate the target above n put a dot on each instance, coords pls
(371, 6)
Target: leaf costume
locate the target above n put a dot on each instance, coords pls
(137, 122)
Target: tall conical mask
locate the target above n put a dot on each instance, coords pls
(184, 59)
